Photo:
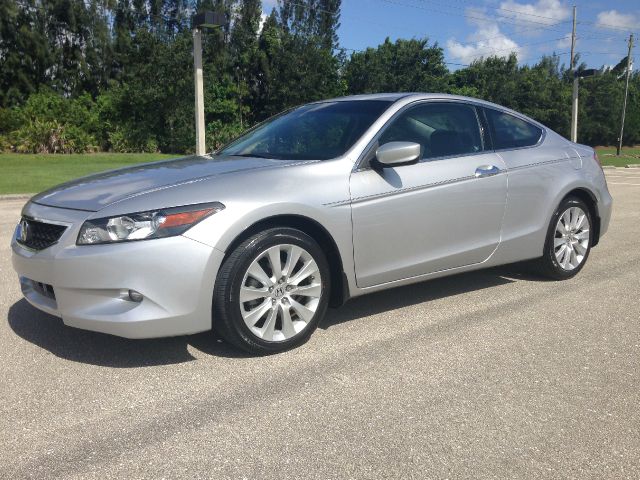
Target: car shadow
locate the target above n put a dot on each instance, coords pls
(427, 291)
(49, 333)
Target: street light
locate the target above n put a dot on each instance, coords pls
(200, 21)
(574, 104)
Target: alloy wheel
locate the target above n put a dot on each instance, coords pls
(571, 240)
(280, 292)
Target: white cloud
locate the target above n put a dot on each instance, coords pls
(486, 41)
(614, 20)
(543, 12)
(565, 42)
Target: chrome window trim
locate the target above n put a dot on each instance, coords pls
(358, 164)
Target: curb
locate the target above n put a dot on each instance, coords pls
(633, 165)
(17, 196)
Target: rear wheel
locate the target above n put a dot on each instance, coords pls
(271, 291)
(568, 242)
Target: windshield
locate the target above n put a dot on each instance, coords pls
(319, 131)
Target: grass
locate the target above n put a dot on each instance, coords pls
(628, 155)
(26, 173)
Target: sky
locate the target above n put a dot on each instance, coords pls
(471, 29)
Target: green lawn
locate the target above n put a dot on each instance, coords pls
(25, 173)
(607, 156)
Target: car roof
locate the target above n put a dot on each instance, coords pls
(369, 96)
(410, 96)
(393, 97)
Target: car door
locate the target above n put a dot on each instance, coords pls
(441, 212)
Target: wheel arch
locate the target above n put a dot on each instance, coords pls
(588, 197)
(339, 284)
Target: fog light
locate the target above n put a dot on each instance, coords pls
(135, 296)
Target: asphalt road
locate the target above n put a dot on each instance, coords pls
(493, 374)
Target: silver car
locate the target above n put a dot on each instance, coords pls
(327, 201)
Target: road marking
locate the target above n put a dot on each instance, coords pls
(620, 183)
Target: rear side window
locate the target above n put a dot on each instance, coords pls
(441, 129)
(511, 132)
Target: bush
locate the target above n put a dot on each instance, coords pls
(6, 145)
(50, 123)
(220, 133)
(128, 140)
(50, 136)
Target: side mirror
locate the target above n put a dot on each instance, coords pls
(397, 153)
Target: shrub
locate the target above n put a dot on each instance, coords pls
(50, 123)
(128, 140)
(219, 133)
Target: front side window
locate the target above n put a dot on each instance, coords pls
(508, 131)
(319, 131)
(441, 129)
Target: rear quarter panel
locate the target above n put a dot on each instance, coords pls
(539, 178)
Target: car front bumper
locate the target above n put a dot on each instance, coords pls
(87, 286)
(605, 207)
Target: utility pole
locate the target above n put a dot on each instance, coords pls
(197, 72)
(574, 95)
(626, 93)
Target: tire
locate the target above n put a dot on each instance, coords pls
(565, 254)
(262, 310)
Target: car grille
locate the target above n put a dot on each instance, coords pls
(38, 235)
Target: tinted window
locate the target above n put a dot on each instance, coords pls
(442, 129)
(511, 132)
(312, 132)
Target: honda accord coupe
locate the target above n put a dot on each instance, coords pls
(324, 202)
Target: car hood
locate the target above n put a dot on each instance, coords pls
(94, 192)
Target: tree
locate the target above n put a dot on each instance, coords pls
(404, 66)
(244, 51)
(494, 78)
(24, 52)
(128, 65)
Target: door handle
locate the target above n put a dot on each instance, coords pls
(486, 171)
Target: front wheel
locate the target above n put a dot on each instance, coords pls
(568, 241)
(272, 291)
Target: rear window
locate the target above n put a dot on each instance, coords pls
(508, 131)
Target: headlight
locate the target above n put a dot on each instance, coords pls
(145, 225)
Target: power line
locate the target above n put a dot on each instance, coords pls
(473, 17)
(489, 52)
(501, 18)
(519, 12)
(608, 25)
(599, 53)
(539, 25)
